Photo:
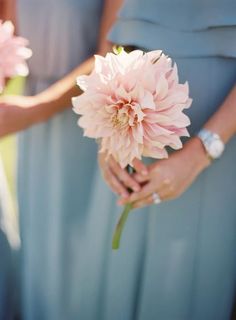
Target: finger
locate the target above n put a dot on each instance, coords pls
(149, 200)
(140, 178)
(137, 196)
(146, 191)
(115, 184)
(140, 167)
(123, 176)
(144, 202)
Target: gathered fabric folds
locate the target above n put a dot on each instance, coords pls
(183, 28)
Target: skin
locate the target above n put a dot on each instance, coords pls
(7, 10)
(171, 177)
(111, 170)
(165, 176)
(18, 113)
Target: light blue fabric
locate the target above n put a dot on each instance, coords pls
(211, 42)
(177, 261)
(187, 257)
(6, 305)
(182, 15)
(182, 28)
(9, 249)
(56, 164)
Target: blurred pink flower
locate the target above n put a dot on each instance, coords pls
(13, 53)
(133, 103)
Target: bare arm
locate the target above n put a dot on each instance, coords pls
(223, 121)
(110, 11)
(2, 9)
(58, 97)
(8, 10)
(171, 177)
(18, 113)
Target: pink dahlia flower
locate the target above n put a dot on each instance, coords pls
(13, 53)
(133, 103)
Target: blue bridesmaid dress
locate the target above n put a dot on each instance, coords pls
(56, 164)
(6, 306)
(9, 249)
(177, 260)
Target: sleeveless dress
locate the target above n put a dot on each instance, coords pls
(177, 260)
(56, 164)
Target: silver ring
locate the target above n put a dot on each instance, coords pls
(156, 198)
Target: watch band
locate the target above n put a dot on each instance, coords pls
(212, 143)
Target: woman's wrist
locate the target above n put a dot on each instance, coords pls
(196, 153)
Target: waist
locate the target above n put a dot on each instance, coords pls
(218, 41)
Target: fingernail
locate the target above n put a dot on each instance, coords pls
(119, 202)
(144, 172)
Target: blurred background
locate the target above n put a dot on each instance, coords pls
(8, 154)
(8, 151)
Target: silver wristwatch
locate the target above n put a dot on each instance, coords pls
(212, 143)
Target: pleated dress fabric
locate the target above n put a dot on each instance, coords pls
(6, 275)
(9, 253)
(6, 303)
(177, 261)
(56, 164)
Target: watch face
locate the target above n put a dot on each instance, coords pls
(216, 148)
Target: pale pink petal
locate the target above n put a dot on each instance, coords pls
(13, 53)
(133, 103)
(162, 87)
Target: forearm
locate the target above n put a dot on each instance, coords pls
(2, 9)
(223, 121)
(58, 97)
(8, 10)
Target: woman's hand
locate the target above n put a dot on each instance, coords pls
(169, 178)
(119, 179)
(18, 113)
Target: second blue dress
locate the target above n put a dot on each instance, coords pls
(56, 164)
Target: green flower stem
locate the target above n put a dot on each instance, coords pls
(120, 226)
